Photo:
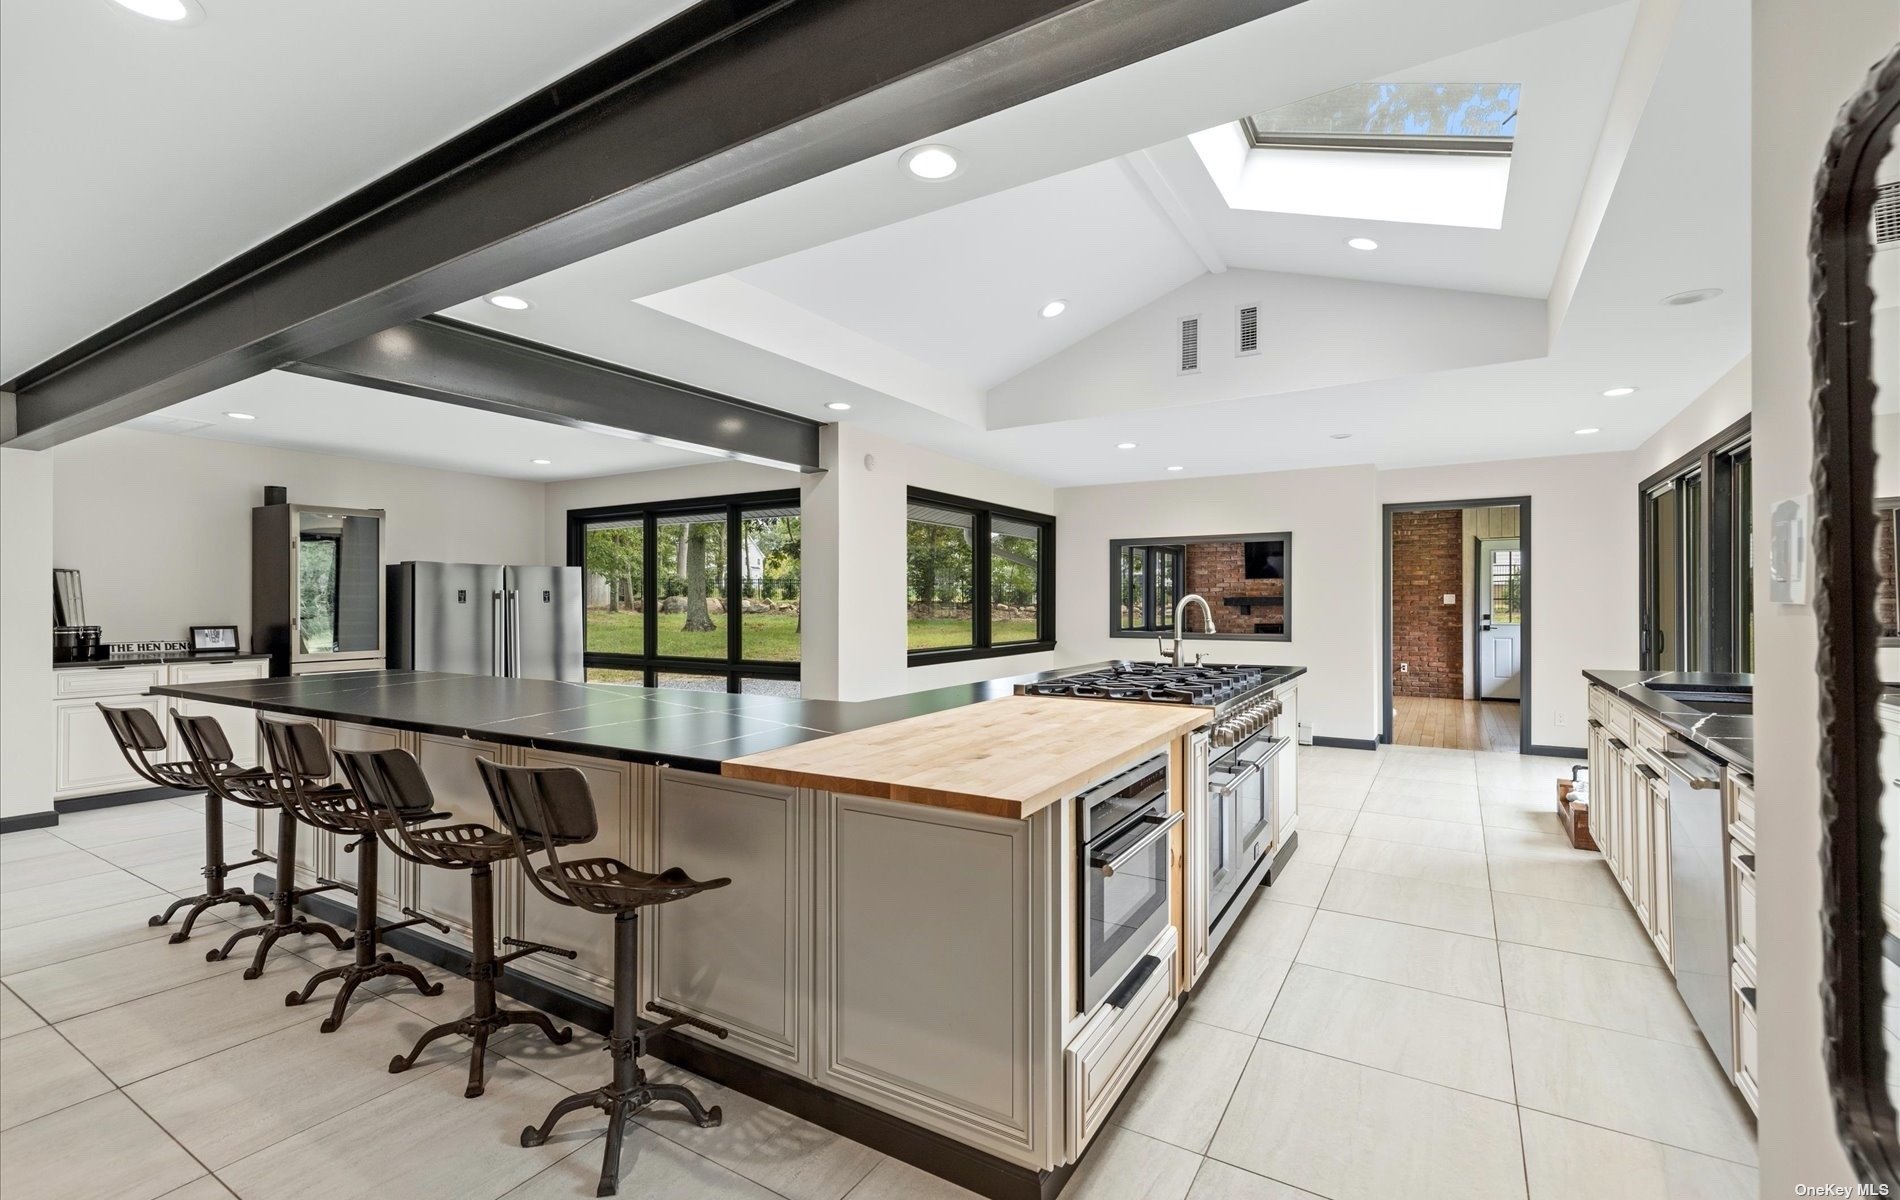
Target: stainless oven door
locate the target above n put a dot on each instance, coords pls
(1124, 886)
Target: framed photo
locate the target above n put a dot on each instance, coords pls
(214, 639)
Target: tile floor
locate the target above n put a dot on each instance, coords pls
(1440, 998)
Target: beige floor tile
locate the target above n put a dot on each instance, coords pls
(1237, 991)
(1623, 996)
(67, 864)
(1427, 770)
(107, 826)
(1461, 868)
(1420, 831)
(1451, 964)
(1535, 844)
(1303, 881)
(40, 1073)
(1587, 882)
(1335, 760)
(1433, 801)
(650, 1166)
(68, 989)
(1423, 1035)
(1270, 928)
(1566, 1160)
(210, 1105)
(101, 1149)
(1532, 799)
(1124, 1165)
(1411, 901)
(1184, 1087)
(1348, 794)
(16, 1016)
(1661, 1091)
(1606, 932)
(30, 905)
(1218, 1181)
(894, 1180)
(1496, 817)
(187, 843)
(155, 1033)
(75, 935)
(1325, 820)
(791, 1156)
(179, 876)
(420, 1140)
(203, 1188)
(1343, 1130)
(30, 843)
(1320, 848)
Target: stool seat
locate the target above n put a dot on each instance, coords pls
(469, 844)
(611, 883)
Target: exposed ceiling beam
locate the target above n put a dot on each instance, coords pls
(439, 359)
(1144, 170)
(730, 100)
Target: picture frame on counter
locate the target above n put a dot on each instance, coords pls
(214, 639)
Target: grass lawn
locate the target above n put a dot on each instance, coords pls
(769, 637)
(945, 633)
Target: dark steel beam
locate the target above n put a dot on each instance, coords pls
(440, 359)
(728, 101)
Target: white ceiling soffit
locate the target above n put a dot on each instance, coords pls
(136, 156)
(321, 416)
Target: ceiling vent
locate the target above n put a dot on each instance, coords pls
(1887, 215)
(1247, 330)
(1188, 358)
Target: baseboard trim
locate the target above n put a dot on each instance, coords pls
(925, 1149)
(22, 822)
(1342, 743)
(1559, 751)
(115, 799)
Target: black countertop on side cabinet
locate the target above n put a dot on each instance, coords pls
(1724, 728)
(164, 658)
(693, 730)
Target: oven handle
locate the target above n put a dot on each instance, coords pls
(1108, 866)
(1223, 790)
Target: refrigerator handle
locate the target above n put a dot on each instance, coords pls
(497, 663)
(514, 634)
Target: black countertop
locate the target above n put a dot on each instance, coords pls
(692, 730)
(1725, 728)
(159, 658)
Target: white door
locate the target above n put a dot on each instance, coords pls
(1502, 588)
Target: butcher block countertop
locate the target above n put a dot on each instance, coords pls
(1008, 757)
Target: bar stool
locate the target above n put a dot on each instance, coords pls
(206, 745)
(393, 788)
(139, 736)
(544, 809)
(300, 761)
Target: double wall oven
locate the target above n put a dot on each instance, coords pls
(1122, 875)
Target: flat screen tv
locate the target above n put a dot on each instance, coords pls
(1266, 560)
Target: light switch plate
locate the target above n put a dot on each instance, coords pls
(1451, 598)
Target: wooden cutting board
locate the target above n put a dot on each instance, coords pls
(1007, 757)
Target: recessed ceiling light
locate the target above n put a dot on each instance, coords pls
(511, 303)
(241, 416)
(171, 12)
(1055, 308)
(1124, 445)
(1697, 296)
(542, 462)
(933, 163)
(1587, 431)
(1175, 468)
(1339, 437)
(838, 406)
(1362, 243)
(1619, 391)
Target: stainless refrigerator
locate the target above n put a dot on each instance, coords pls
(481, 619)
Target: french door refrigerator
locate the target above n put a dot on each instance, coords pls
(482, 619)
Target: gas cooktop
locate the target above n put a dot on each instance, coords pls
(1214, 686)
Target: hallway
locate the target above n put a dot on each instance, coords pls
(1455, 724)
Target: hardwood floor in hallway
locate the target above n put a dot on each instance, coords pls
(1455, 724)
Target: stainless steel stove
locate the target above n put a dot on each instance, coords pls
(1237, 693)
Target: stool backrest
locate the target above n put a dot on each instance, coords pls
(203, 738)
(210, 754)
(296, 748)
(392, 789)
(542, 805)
(139, 736)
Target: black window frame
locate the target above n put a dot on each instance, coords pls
(732, 508)
(1718, 603)
(981, 513)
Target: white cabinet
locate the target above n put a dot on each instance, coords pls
(1629, 813)
(1661, 929)
(1287, 785)
(239, 723)
(1112, 1045)
(86, 759)
(1744, 955)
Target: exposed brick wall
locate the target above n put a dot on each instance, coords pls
(1427, 633)
(1218, 571)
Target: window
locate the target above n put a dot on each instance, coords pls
(1245, 579)
(1150, 579)
(697, 594)
(1697, 570)
(1432, 118)
(978, 579)
(1507, 587)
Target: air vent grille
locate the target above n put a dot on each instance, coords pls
(1887, 215)
(1247, 330)
(1190, 348)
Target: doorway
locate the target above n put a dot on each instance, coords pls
(1458, 625)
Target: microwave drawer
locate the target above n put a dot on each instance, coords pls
(1113, 1044)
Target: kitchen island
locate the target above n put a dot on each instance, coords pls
(896, 956)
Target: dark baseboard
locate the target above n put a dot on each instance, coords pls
(25, 821)
(1559, 751)
(925, 1149)
(1340, 743)
(115, 799)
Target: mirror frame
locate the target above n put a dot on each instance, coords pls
(1852, 929)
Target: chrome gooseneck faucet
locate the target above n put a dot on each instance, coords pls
(1180, 632)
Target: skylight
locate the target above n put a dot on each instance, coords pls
(1414, 118)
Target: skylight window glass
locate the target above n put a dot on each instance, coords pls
(1433, 118)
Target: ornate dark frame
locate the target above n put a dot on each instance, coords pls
(1841, 254)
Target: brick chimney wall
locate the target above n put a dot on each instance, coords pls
(1218, 570)
(1427, 633)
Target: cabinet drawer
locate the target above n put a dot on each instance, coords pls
(1747, 1046)
(69, 682)
(1112, 1046)
(1741, 806)
(1599, 703)
(1741, 890)
(1649, 739)
(215, 672)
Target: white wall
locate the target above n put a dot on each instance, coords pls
(160, 526)
(1808, 61)
(1333, 593)
(1726, 402)
(26, 639)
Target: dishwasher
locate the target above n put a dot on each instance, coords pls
(1698, 869)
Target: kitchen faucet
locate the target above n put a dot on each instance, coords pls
(1180, 632)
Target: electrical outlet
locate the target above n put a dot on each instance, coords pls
(1451, 598)
(1562, 718)
(1404, 668)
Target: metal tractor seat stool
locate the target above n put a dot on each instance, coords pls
(139, 737)
(300, 762)
(544, 809)
(205, 744)
(392, 787)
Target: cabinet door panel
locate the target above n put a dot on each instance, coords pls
(1661, 920)
(456, 782)
(86, 759)
(395, 877)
